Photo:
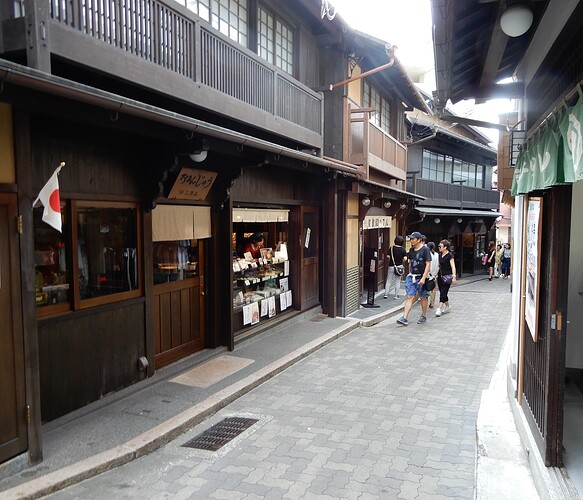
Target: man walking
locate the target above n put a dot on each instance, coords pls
(419, 261)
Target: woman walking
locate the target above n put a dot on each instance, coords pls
(433, 271)
(446, 276)
(506, 260)
(491, 260)
(395, 268)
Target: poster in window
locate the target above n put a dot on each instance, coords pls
(532, 278)
(271, 306)
(254, 313)
(282, 301)
(247, 313)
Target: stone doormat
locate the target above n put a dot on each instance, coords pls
(212, 371)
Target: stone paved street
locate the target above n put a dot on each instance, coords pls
(383, 412)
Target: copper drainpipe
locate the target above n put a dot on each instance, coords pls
(390, 53)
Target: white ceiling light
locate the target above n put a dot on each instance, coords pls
(516, 20)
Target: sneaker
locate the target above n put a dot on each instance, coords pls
(438, 312)
(396, 297)
(403, 321)
(421, 320)
(446, 309)
(385, 297)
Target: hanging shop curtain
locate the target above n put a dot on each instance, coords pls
(174, 222)
(553, 155)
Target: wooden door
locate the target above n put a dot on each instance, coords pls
(179, 316)
(309, 257)
(13, 436)
(543, 363)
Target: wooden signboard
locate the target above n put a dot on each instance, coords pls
(192, 184)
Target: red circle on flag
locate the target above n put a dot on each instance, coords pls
(55, 201)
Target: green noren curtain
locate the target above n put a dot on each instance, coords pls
(554, 155)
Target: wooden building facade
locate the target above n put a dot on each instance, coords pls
(182, 132)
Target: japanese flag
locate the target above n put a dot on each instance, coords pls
(51, 200)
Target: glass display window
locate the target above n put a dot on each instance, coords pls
(94, 261)
(107, 250)
(175, 260)
(261, 279)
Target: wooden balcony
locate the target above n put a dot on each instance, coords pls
(382, 157)
(160, 45)
(454, 195)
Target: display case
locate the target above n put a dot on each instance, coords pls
(261, 288)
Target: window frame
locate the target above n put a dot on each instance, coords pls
(274, 20)
(442, 167)
(71, 240)
(372, 98)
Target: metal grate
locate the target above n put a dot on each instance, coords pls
(220, 434)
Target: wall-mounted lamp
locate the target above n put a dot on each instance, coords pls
(365, 201)
(199, 156)
(437, 220)
(403, 206)
(387, 204)
(459, 220)
(516, 20)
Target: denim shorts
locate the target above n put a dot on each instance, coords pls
(413, 289)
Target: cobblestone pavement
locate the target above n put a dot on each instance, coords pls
(384, 412)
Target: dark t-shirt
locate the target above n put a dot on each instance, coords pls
(418, 258)
(398, 253)
(445, 263)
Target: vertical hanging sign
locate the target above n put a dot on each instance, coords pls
(533, 249)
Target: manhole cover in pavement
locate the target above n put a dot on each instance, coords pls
(220, 434)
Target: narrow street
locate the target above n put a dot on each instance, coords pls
(383, 412)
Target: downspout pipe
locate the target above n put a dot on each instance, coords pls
(390, 52)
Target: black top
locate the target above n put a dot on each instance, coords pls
(398, 253)
(418, 258)
(445, 263)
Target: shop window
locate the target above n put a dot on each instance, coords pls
(262, 281)
(175, 260)
(107, 250)
(92, 262)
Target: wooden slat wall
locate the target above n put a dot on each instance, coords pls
(166, 34)
(89, 355)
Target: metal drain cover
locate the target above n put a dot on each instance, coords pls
(220, 434)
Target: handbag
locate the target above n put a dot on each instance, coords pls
(429, 283)
(399, 270)
(447, 278)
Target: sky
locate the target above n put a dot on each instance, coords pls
(404, 23)
(407, 24)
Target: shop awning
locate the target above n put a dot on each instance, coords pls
(553, 154)
(458, 212)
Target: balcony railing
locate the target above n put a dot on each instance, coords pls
(164, 33)
(371, 147)
(454, 195)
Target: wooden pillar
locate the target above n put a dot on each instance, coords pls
(38, 54)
